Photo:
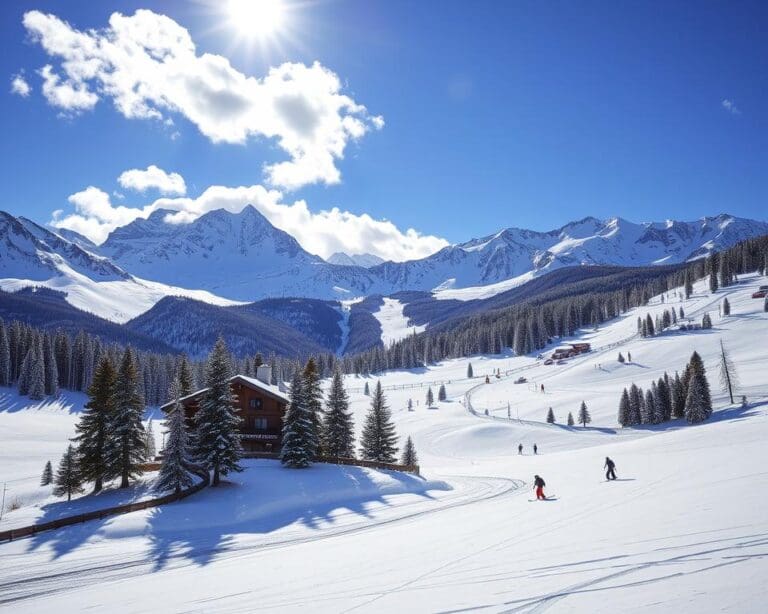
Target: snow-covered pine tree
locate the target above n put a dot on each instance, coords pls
(313, 395)
(698, 402)
(67, 481)
(765, 304)
(726, 307)
(713, 285)
(47, 477)
(150, 435)
(37, 372)
(176, 454)
(635, 405)
(570, 419)
(471, 373)
(688, 284)
(647, 408)
(706, 321)
(379, 437)
(25, 372)
(51, 370)
(650, 325)
(127, 430)
(430, 397)
(624, 417)
(584, 417)
(297, 451)
(338, 430)
(728, 377)
(657, 411)
(550, 416)
(441, 395)
(410, 458)
(664, 397)
(678, 397)
(217, 438)
(94, 437)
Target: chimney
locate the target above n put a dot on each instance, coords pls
(264, 374)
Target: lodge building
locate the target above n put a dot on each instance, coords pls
(260, 405)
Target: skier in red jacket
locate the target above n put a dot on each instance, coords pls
(539, 485)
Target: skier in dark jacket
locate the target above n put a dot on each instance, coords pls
(520, 448)
(535, 449)
(610, 474)
(539, 485)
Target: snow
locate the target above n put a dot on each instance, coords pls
(684, 528)
(394, 324)
(118, 301)
(482, 292)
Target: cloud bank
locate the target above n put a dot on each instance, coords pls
(322, 233)
(149, 67)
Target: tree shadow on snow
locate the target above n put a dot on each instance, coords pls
(201, 527)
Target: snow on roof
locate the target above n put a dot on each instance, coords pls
(273, 391)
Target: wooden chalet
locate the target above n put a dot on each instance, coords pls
(260, 404)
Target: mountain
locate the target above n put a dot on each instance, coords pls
(193, 326)
(242, 256)
(238, 255)
(33, 256)
(364, 260)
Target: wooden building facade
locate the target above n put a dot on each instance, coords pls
(260, 405)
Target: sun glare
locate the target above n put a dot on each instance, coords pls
(256, 18)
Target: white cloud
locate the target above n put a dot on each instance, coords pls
(147, 64)
(321, 233)
(19, 85)
(730, 106)
(153, 177)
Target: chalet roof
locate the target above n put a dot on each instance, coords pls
(251, 382)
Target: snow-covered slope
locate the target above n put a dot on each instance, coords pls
(683, 529)
(31, 255)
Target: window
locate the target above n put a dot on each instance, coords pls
(255, 403)
(260, 424)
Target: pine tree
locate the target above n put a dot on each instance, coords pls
(698, 402)
(94, 430)
(430, 397)
(584, 417)
(127, 430)
(5, 356)
(621, 358)
(379, 437)
(51, 370)
(441, 395)
(650, 326)
(297, 451)
(624, 413)
(713, 285)
(688, 284)
(550, 416)
(706, 321)
(726, 308)
(410, 457)
(664, 396)
(37, 372)
(635, 405)
(337, 427)
(185, 379)
(313, 396)
(570, 419)
(176, 455)
(47, 477)
(367, 390)
(471, 373)
(67, 481)
(678, 397)
(765, 304)
(217, 440)
(728, 376)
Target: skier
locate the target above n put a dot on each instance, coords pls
(520, 448)
(610, 474)
(535, 449)
(629, 356)
(539, 485)
(542, 389)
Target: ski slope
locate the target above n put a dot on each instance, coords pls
(684, 528)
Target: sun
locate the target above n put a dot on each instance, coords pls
(256, 18)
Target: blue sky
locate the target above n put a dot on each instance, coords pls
(495, 114)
